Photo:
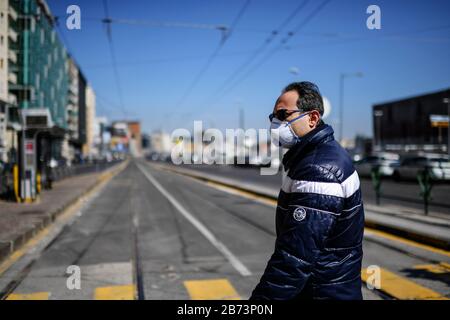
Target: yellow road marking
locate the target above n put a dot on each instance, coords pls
(402, 288)
(215, 289)
(125, 292)
(440, 268)
(16, 255)
(63, 218)
(220, 186)
(406, 241)
(246, 194)
(29, 296)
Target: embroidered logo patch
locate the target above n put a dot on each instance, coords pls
(299, 214)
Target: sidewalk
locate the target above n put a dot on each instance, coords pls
(391, 218)
(19, 222)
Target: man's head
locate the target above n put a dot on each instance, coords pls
(301, 98)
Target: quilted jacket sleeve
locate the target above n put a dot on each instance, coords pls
(301, 233)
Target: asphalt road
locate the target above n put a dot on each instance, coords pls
(174, 237)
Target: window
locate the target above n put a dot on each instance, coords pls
(1, 63)
(2, 40)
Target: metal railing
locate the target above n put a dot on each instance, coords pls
(54, 174)
(60, 173)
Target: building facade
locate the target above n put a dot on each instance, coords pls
(88, 147)
(408, 125)
(8, 78)
(72, 109)
(46, 108)
(134, 129)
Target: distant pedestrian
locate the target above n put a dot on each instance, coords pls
(320, 215)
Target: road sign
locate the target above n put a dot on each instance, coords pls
(29, 146)
(439, 121)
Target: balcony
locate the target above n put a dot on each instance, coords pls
(12, 35)
(73, 88)
(12, 78)
(12, 13)
(12, 56)
(12, 99)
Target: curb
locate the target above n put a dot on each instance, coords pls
(408, 234)
(9, 247)
(273, 195)
(414, 217)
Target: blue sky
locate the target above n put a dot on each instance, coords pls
(408, 56)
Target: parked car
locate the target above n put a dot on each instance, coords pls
(387, 163)
(409, 168)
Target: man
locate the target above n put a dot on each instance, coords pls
(320, 215)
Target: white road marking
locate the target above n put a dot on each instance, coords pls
(235, 262)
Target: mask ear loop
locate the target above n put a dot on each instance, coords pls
(299, 117)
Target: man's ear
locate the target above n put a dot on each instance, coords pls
(314, 118)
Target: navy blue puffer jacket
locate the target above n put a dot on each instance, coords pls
(319, 225)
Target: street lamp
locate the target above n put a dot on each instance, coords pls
(342, 77)
(447, 101)
(378, 114)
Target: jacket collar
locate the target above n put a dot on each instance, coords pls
(321, 134)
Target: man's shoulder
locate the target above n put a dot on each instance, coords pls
(329, 162)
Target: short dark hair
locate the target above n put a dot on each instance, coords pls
(309, 96)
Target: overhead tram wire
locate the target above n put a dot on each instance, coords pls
(162, 24)
(108, 104)
(262, 47)
(276, 49)
(107, 22)
(225, 36)
(169, 59)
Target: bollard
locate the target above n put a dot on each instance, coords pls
(426, 184)
(16, 182)
(38, 182)
(376, 182)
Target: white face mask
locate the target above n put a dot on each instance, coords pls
(283, 131)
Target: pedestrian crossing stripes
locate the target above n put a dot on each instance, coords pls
(29, 296)
(401, 288)
(441, 268)
(126, 292)
(216, 289)
(392, 284)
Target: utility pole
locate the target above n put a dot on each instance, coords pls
(378, 114)
(447, 101)
(341, 106)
